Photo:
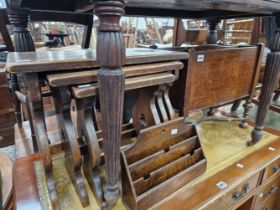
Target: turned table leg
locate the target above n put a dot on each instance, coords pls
(212, 37)
(271, 76)
(17, 105)
(23, 42)
(111, 57)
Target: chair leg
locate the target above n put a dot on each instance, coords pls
(235, 105)
(247, 106)
(17, 105)
(276, 96)
(271, 76)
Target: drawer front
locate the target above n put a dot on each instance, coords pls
(235, 195)
(272, 169)
(273, 203)
(267, 191)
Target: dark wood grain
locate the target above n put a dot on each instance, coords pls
(73, 158)
(38, 121)
(88, 76)
(212, 37)
(271, 76)
(89, 90)
(7, 117)
(79, 59)
(221, 75)
(163, 159)
(92, 159)
(111, 58)
(167, 171)
(167, 8)
(4, 31)
(155, 139)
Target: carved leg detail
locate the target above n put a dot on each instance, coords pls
(247, 107)
(235, 105)
(212, 37)
(23, 42)
(93, 157)
(17, 105)
(271, 76)
(111, 110)
(35, 105)
(111, 57)
(73, 158)
(211, 111)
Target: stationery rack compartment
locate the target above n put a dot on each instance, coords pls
(164, 158)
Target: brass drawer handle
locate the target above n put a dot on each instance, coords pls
(273, 189)
(238, 195)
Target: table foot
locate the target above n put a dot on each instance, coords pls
(78, 182)
(52, 191)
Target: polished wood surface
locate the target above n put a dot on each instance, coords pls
(198, 197)
(269, 190)
(154, 167)
(90, 90)
(26, 193)
(7, 118)
(89, 76)
(167, 8)
(6, 167)
(79, 59)
(223, 74)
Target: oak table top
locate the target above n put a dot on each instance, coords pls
(167, 8)
(80, 59)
